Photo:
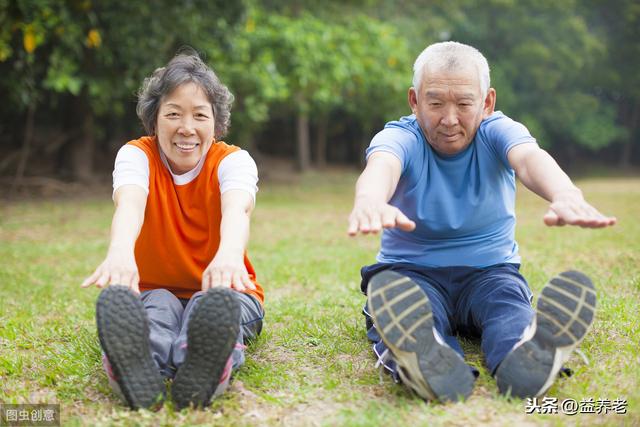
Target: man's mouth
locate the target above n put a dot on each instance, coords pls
(450, 137)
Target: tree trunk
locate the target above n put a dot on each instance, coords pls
(245, 139)
(83, 148)
(624, 162)
(321, 139)
(304, 151)
(26, 147)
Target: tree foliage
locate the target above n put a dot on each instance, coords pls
(568, 70)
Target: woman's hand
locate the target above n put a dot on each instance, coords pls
(227, 268)
(227, 271)
(116, 269)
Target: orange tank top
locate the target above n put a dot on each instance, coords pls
(181, 230)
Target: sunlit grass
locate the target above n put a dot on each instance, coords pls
(312, 365)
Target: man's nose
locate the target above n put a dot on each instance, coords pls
(450, 116)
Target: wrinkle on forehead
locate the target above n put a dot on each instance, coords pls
(188, 94)
(458, 94)
(464, 82)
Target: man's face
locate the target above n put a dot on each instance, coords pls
(449, 107)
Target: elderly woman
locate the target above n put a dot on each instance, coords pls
(188, 299)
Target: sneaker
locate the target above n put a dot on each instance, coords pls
(123, 330)
(212, 331)
(564, 314)
(402, 315)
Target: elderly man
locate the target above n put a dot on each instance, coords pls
(441, 185)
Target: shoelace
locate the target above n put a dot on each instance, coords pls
(380, 364)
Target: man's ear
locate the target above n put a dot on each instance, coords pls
(412, 97)
(489, 103)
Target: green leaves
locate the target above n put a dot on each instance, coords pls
(569, 68)
(62, 75)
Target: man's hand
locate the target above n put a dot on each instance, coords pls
(116, 269)
(368, 217)
(227, 271)
(377, 183)
(570, 208)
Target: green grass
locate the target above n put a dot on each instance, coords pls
(312, 365)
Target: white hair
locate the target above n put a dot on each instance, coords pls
(450, 56)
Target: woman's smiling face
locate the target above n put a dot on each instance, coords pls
(185, 127)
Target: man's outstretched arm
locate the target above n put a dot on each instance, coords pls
(374, 188)
(540, 173)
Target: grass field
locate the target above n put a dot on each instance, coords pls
(312, 365)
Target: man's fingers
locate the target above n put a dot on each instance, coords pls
(597, 219)
(364, 224)
(375, 222)
(353, 225)
(550, 218)
(389, 217)
(404, 223)
(359, 222)
(581, 214)
(560, 215)
(375, 219)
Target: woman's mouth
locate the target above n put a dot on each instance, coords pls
(185, 146)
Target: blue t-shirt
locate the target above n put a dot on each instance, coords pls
(463, 205)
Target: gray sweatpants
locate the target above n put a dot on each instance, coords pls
(168, 320)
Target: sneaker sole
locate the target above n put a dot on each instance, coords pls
(211, 336)
(123, 330)
(565, 312)
(402, 314)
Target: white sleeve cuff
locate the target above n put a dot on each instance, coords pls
(131, 167)
(238, 171)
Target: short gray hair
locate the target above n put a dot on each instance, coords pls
(450, 56)
(184, 68)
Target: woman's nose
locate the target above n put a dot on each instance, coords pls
(186, 126)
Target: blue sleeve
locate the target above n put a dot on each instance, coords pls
(396, 141)
(501, 134)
